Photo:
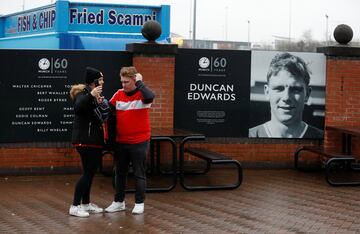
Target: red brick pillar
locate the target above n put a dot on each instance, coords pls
(342, 93)
(156, 62)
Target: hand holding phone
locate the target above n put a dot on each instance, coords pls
(96, 82)
(96, 92)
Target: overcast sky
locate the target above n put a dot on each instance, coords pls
(233, 19)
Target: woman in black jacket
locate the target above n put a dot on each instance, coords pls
(91, 111)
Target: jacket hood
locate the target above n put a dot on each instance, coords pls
(76, 89)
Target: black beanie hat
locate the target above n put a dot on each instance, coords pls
(92, 74)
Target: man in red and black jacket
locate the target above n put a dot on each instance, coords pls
(131, 105)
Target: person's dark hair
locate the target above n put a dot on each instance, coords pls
(92, 74)
(295, 65)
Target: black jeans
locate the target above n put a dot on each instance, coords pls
(90, 159)
(136, 154)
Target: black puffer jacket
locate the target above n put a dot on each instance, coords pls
(87, 128)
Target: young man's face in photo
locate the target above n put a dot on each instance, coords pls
(287, 96)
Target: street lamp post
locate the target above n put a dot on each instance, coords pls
(327, 30)
(194, 26)
(249, 34)
(290, 21)
(190, 21)
(226, 22)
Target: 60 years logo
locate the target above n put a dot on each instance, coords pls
(204, 62)
(53, 65)
(44, 64)
(212, 64)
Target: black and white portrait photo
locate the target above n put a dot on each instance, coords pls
(287, 97)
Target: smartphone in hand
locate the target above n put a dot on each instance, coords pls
(96, 82)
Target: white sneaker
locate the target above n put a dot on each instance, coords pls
(138, 208)
(92, 208)
(116, 206)
(78, 211)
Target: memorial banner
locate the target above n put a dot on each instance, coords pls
(35, 87)
(212, 91)
(255, 94)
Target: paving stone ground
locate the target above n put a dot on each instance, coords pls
(268, 201)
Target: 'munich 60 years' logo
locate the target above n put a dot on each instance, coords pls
(212, 64)
(53, 65)
(44, 64)
(204, 62)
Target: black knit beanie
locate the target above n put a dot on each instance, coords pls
(92, 74)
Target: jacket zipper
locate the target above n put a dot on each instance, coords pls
(89, 131)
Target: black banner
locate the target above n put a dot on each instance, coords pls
(35, 85)
(212, 92)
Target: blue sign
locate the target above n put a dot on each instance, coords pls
(112, 18)
(68, 25)
(39, 21)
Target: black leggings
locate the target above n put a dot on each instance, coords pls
(90, 159)
(136, 154)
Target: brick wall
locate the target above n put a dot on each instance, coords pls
(279, 154)
(36, 160)
(342, 98)
(342, 108)
(159, 75)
